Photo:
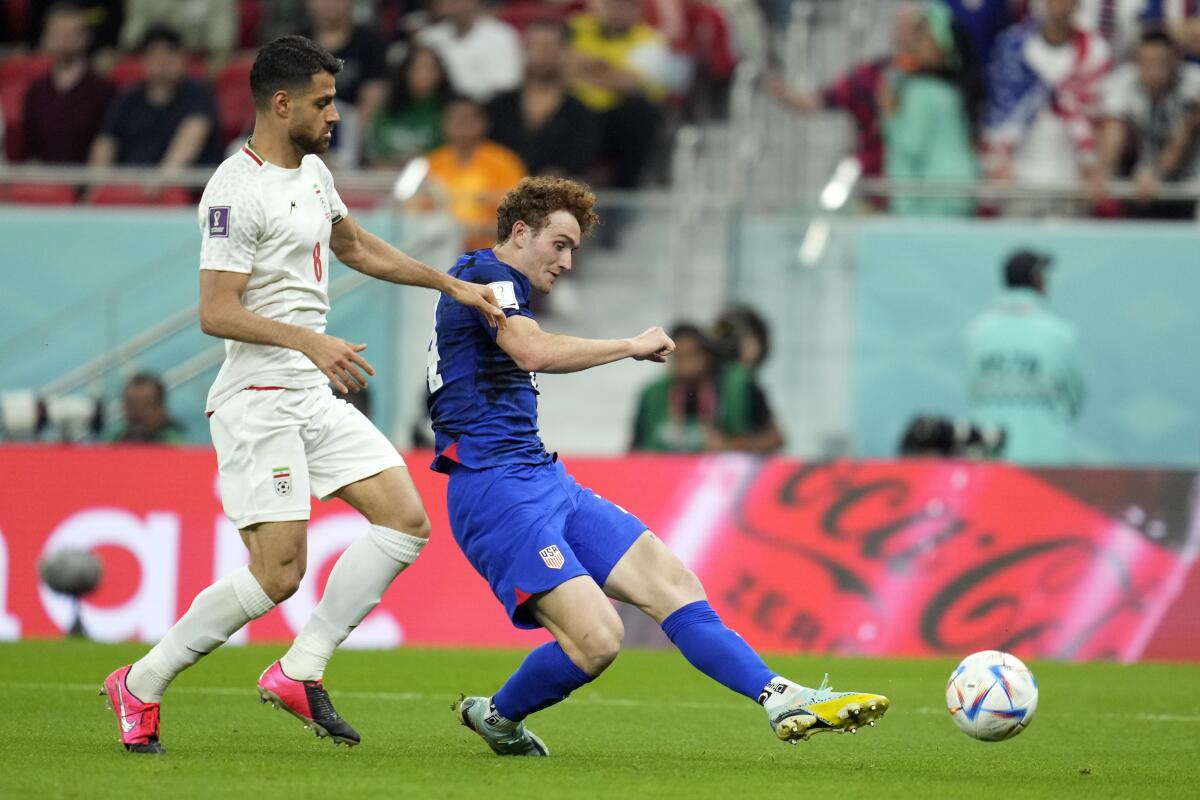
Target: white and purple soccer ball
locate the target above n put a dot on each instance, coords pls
(991, 696)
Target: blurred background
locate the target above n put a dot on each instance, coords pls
(957, 229)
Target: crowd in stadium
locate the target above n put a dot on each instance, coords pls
(1023, 91)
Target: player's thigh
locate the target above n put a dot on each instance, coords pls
(390, 499)
(342, 446)
(261, 463)
(581, 618)
(653, 578)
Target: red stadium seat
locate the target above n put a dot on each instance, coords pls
(235, 104)
(16, 73)
(42, 194)
(129, 70)
(125, 195)
(360, 200)
(250, 14)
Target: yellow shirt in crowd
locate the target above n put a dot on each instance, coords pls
(639, 44)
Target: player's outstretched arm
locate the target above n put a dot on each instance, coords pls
(223, 315)
(534, 350)
(365, 252)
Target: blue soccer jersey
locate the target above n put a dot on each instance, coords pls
(482, 405)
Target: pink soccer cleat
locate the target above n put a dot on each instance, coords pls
(308, 702)
(138, 720)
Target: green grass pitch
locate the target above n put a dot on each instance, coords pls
(650, 727)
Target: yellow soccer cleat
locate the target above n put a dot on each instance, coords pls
(797, 712)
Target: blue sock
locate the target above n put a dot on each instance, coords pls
(545, 677)
(715, 650)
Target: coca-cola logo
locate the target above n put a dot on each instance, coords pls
(935, 558)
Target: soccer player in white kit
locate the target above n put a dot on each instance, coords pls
(269, 219)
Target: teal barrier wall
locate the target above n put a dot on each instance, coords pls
(1131, 290)
(79, 282)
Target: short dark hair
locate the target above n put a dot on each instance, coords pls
(162, 34)
(151, 380)
(535, 199)
(287, 64)
(1156, 34)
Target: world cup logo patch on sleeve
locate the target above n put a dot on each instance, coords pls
(218, 222)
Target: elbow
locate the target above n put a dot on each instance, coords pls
(210, 323)
(530, 363)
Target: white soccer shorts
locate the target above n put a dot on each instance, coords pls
(276, 446)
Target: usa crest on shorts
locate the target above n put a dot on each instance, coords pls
(283, 480)
(552, 556)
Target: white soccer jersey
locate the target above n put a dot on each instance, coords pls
(273, 224)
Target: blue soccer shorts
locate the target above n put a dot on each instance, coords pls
(527, 529)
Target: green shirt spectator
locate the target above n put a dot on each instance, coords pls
(144, 410)
(410, 123)
(927, 131)
(703, 406)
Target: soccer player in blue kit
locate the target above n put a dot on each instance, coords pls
(553, 551)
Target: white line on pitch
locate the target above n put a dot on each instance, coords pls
(587, 699)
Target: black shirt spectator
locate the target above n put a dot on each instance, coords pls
(144, 131)
(563, 144)
(169, 119)
(70, 91)
(553, 132)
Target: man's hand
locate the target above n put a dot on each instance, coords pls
(653, 344)
(339, 360)
(481, 297)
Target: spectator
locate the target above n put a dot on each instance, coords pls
(553, 132)
(168, 119)
(282, 17)
(207, 26)
(410, 123)
(927, 130)
(702, 406)
(857, 91)
(70, 91)
(473, 172)
(621, 70)
(983, 21)
(1023, 373)
(1155, 104)
(701, 44)
(741, 335)
(1118, 22)
(1043, 90)
(362, 82)
(104, 20)
(144, 409)
(481, 53)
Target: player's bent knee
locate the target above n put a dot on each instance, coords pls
(601, 645)
(281, 581)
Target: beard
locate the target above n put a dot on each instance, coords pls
(309, 146)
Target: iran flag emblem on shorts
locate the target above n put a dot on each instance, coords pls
(552, 556)
(283, 480)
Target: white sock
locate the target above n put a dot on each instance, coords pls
(777, 695)
(215, 615)
(356, 585)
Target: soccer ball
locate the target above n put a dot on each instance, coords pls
(991, 696)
